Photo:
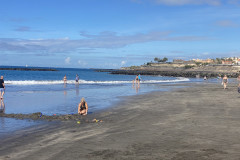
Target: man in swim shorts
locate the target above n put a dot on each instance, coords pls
(2, 87)
(77, 78)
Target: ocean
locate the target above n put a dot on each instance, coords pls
(44, 91)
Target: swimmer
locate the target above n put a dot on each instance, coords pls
(83, 107)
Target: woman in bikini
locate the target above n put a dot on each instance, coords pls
(225, 81)
(83, 107)
(65, 79)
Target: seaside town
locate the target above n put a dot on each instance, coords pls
(199, 62)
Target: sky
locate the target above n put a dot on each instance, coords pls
(116, 33)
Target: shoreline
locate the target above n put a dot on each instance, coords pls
(192, 122)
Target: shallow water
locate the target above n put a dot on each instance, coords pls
(44, 91)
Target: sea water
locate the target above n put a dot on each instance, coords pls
(44, 91)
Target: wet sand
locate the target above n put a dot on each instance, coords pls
(198, 122)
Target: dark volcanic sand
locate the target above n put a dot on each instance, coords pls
(197, 123)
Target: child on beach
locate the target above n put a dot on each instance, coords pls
(83, 107)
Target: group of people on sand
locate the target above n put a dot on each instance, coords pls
(76, 79)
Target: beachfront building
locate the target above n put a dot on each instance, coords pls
(209, 61)
(227, 62)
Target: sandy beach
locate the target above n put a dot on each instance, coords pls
(196, 122)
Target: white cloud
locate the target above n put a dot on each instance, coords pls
(68, 60)
(103, 40)
(123, 63)
(82, 63)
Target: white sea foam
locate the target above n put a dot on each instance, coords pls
(33, 82)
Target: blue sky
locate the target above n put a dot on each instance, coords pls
(116, 33)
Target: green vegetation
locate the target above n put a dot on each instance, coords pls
(188, 66)
(165, 59)
(198, 63)
(218, 60)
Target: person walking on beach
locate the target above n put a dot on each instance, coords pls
(83, 107)
(2, 87)
(225, 81)
(77, 79)
(65, 79)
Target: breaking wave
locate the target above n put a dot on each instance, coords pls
(49, 82)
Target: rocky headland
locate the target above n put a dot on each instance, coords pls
(209, 71)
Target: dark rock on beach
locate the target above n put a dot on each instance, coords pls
(40, 116)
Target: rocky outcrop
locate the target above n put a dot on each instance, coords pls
(192, 74)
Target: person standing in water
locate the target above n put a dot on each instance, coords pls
(65, 79)
(225, 81)
(83, 107)
(139, 77)
(77, 79)
(2, 87)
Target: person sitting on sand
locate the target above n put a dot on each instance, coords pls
(83, 107)
(225, 81)
(65, 79)
(2, 87)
